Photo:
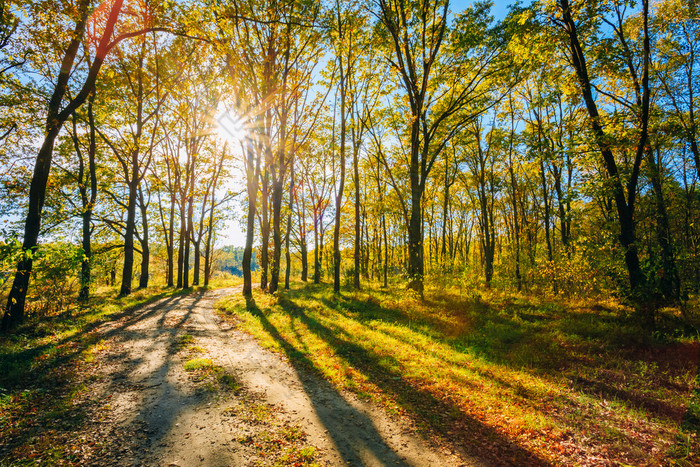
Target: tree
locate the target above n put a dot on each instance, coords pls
(678, 52)
(87, 199)
(55, 118)
(444, 92)
(624, 196)
(132, 143)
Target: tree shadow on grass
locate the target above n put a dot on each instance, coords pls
(52, 393)
(480, 441)
(587, 348)
(357, 447)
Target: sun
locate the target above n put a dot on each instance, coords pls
(230, 128)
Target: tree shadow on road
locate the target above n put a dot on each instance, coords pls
(358, 446)
(45, 376)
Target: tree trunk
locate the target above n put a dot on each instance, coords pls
(445, 206)
(208, 241)
(415, 225)
(386, 252)
(128, 267)
(625, 206)
(358, 225)
(181, 240)
(341, 184)
(317, 253)
(252, 177)
(188, 239)
(170, 243)
(288, 256)
(145, 248)
(563, 217)
(277, 192)
(366, 244)
(265, 231)
(547, 219)
(302, 243)
(88, 206)
(668, 274)
(516, 223)
(145, 258)
(304, 262)
(197, 261)
(321, 254)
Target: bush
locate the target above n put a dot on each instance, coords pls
(55, 278)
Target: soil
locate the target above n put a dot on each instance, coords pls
(266, 412)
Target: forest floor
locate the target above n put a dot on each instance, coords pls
(510, 379)
(373, 377)
(171, 384)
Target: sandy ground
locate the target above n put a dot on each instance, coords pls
(155, 413)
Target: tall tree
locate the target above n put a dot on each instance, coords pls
(444, 91)
(624, 194)
(139, 97)
(57, 114)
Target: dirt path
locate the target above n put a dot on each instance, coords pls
(264, 412)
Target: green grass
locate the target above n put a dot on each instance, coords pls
(199, 364)
(539, 380)
(204, 369)
(183, 342)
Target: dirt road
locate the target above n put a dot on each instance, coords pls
(252, 407)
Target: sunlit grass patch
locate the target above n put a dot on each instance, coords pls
(229, 382)
(261, 412)
(292, 432)
(221, 279)
(562, 383)
(203, 369)
(90, 353)
(199, 364)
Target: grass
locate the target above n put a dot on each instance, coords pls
(199, 365)
(204, 369)
(183, 341)
(536, 381)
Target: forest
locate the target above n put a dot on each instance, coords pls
(509, 190)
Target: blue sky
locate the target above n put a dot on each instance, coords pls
(499, 9)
